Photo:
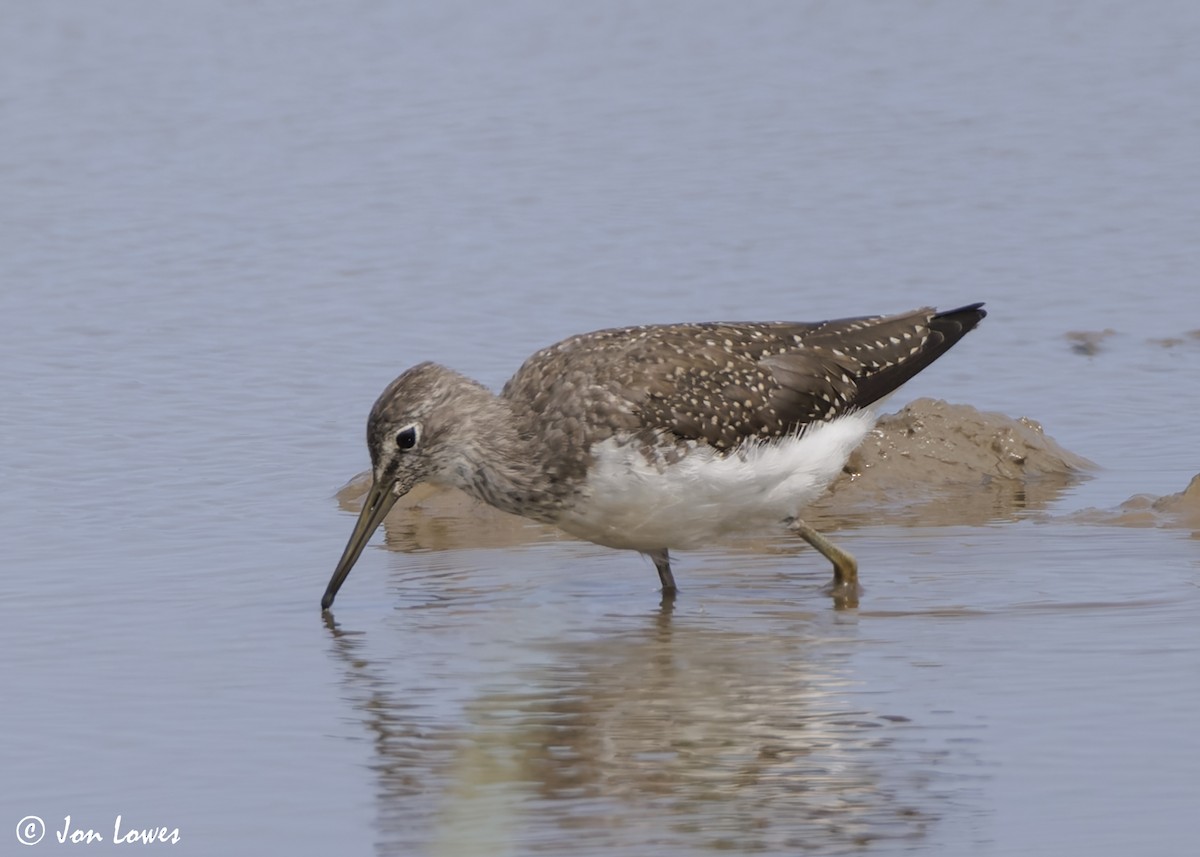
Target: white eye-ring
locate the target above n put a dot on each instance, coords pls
(407, 437)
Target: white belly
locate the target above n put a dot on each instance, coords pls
(640, 505)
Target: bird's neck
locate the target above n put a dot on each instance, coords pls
(497, 461)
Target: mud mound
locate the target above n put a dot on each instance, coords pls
(1088, 342)
(932, 463)
(935, 463)
(1180, 510)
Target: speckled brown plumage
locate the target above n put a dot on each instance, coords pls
(654, 437)
(724, 383)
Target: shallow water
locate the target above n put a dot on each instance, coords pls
(227, 226)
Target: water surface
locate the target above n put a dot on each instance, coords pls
(227, 226)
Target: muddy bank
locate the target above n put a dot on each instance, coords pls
(932, 463)
(935, 463)
(1180, 510)
(1089, 343)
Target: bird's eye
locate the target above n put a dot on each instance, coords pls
(406, 438)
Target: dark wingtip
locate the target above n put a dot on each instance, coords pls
(947, 328)
(968, 316)
(954, 324)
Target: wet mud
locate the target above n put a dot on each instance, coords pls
(939, 464)
(930, 464)
(1180, 510)
(1088, 342)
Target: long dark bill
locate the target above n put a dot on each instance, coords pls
(379, 502)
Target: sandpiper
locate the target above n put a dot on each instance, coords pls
(657, 437)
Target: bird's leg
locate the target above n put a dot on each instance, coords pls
(662, 562)
(844, 588)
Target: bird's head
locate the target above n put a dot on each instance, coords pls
(407, 436)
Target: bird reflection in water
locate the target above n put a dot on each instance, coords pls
(667, 734)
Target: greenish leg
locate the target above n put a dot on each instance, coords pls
(844, 588)
(662, 562)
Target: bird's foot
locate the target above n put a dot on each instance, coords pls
(844, 593)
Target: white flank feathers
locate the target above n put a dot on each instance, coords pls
(635, 504)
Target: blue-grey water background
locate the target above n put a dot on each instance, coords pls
(224, 227)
